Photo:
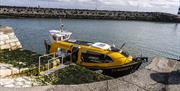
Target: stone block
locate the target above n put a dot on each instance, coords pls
(6, 29)
(18, 43)
(19, 83)
(1, 33)
(14, 47)
(11, 34)
(14, 40)
(25, 86)
(5, 72)
(6, 81)
(2, 43)
(12, 37)
(7, 46)
(8, 41)
(20, 46)
(14, 70)
(4, 37)
(9, 85)
(12, 44)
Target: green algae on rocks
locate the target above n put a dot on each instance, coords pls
(19, 58)
(73, 74)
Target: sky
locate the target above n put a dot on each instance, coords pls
(169, 6)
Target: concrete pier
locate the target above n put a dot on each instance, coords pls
(158, 76)
(36, 12)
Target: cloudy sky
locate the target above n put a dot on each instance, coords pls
(170, 6)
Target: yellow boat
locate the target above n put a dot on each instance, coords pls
(94, 56)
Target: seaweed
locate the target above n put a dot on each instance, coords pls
(20, 58)
(73, 74)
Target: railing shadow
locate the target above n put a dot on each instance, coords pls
(170, 78)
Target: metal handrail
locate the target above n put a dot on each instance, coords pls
(54, 59)
(49, 60)
(45, 55)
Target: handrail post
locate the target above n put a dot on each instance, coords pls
(48, 64)
(62, 60)
(40, 60)
(39, 64)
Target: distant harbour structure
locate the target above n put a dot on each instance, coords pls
(40, 12)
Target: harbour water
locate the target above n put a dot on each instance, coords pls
(147, 38)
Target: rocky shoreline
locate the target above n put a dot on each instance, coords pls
(37, 12)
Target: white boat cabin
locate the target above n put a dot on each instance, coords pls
(58, 35)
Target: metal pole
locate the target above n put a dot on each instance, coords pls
(39, 64)
(40, 60)
(62, 60)
(48, 64)
(51, 60)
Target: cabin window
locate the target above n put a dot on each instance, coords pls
(93, 57)
(63, 52)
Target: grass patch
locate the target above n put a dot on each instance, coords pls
(73, 74)
(20, 58)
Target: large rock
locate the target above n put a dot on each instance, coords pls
(161, 64)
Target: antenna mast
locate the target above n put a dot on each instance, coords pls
(96, 5)
(96, 8)
(179, 8)
(61, 25)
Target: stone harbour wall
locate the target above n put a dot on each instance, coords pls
(38, 12)
(8, 39)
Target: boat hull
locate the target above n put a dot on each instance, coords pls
(122, 70)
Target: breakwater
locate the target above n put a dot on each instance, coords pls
(37, 12)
